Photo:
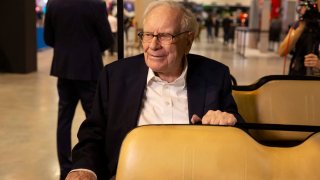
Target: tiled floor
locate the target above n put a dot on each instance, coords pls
(28, 109)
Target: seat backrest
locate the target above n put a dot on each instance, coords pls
(281, 102)
(212, 152)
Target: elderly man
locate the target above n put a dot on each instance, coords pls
(165, 85)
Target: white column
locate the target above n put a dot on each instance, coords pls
(253, 24)
(289, 14)
(265, 24)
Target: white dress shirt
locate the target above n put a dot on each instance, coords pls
(163, 102)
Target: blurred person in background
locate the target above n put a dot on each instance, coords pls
(303, 40)
(114, 28)
(79, 32)
(209, 25)
(226, 25)
(274, 33)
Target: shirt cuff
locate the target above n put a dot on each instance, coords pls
(86, 170)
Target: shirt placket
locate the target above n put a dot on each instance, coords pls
(168, 104)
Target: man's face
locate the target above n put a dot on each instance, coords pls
(301, 7)
(303, 10)
(165, 58)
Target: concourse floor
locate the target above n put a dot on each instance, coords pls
(28, 108)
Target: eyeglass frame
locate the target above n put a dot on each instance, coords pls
(158, 36)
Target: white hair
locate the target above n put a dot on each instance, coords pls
(188, 21)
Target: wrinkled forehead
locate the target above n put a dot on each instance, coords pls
(162, 17)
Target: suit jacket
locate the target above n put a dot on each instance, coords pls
(79, 32)
(118, 100)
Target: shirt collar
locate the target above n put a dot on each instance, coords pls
(181, 80)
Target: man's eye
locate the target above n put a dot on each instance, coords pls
(148, 35)
(165, 36)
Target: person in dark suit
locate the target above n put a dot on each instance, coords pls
(164, 85)
(79, 32)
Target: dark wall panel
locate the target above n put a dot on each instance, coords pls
(18, 36)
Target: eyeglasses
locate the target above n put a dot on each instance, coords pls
(163, 38)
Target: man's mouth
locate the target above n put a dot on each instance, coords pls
(156, 56)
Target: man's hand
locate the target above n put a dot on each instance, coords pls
(215, 118)
(311, 60)
(81, 175)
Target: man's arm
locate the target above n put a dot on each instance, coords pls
(102, 27)
(291, 39)
(89, 153)
(228, 113)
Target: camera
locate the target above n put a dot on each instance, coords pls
(311, 13)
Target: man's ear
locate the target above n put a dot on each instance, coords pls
(190, 39)
(191, 36)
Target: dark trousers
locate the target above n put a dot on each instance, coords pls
(70, 92)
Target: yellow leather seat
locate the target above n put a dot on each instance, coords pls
(280, 101)
(173, 152)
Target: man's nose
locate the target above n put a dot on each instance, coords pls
(155, 43)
